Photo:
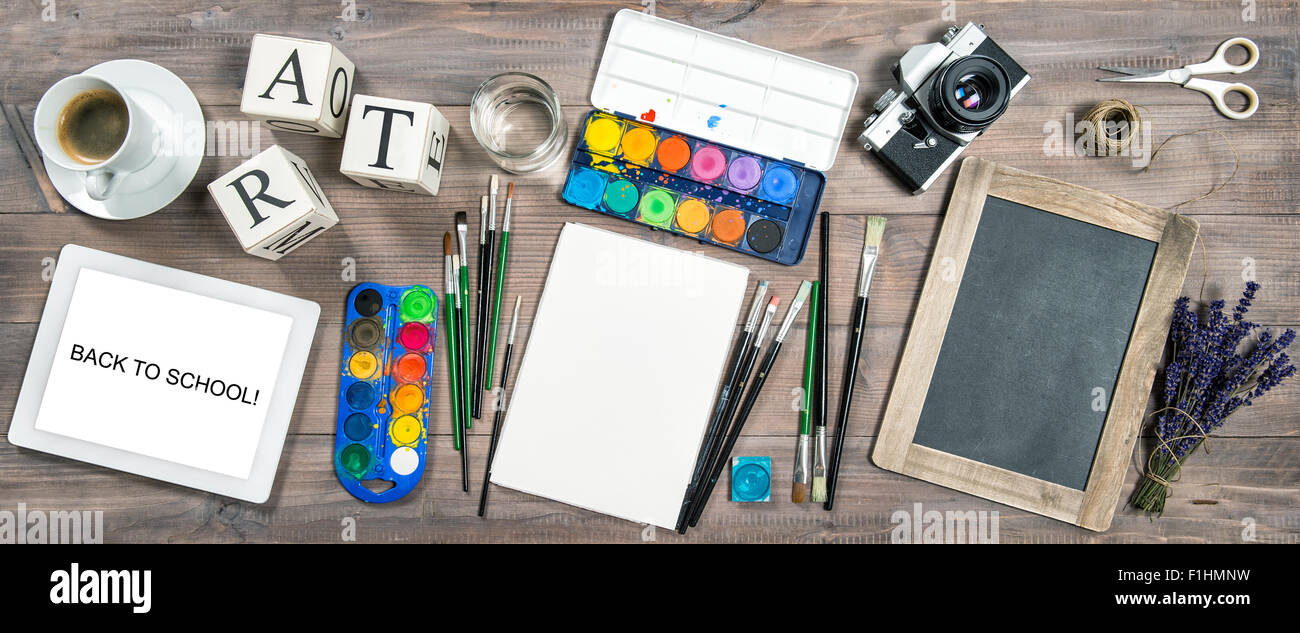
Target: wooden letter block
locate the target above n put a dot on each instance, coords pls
(298, 85)
(395, 144)
(272, 203)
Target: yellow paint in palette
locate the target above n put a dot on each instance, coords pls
(602, 134)
(639, 144)
(362, 365)
(406, 430)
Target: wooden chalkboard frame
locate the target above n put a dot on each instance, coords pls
(1094, 506)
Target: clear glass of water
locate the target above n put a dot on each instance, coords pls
(517, 118)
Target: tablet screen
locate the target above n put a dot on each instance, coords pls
(164, 373)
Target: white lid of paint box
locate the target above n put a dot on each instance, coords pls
(724, 90)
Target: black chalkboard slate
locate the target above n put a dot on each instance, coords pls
(1041, 320)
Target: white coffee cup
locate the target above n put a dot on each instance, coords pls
(135, 153)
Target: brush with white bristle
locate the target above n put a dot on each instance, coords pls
(870, 255)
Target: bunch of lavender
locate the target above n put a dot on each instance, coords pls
(1209, 376)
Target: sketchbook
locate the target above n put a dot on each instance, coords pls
(619, 375)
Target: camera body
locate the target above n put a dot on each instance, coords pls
(948, 93)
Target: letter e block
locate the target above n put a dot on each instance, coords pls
(298, 85)
(273, 203)
(395, 144)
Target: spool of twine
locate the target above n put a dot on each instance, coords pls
(1114, 124)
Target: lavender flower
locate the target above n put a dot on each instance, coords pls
(1209, 376)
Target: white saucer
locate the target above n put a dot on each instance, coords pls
(175, 110)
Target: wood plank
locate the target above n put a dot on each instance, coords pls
(1028, 137)
(1255, 479)
(458, 45)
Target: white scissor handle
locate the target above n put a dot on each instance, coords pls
(1220, 64)
(1219, 89)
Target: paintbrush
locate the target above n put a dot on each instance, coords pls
(461, 367)
(730, 380)
(501, 405)
(746, 365)
(751, 397)
(462, 235)
(502, 250)
(486, 234)
(819, 372)
(803, 454)
(870, 254)
(449, 300)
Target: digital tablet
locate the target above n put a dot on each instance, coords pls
(164, 373)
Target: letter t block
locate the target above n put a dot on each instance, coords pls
(272, 203)
(395, 144)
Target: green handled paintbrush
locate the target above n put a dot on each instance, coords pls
(502, 251)
(449, 300)
(462, 233)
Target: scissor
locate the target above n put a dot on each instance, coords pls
(1213, 66)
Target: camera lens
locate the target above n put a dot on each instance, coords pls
(970, 90)
(970, 94)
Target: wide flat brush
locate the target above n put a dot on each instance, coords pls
(870, 255)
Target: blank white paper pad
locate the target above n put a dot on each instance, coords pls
(619, 375)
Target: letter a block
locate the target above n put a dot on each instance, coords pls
(298, 85)
(395, 144)
(273, 203)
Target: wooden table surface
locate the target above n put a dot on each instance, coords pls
(1248, 486)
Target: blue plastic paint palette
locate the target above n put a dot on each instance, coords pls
(384, 389)
(709, 137)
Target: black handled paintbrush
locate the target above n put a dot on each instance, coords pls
(501, 406)
(870, 255)
(751, 397)
(730, 380)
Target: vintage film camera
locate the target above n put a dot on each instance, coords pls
(948, 93)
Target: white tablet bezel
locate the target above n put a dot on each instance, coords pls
(257, 488)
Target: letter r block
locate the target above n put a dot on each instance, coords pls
(298, 85)
(272, 203)
(395, 144)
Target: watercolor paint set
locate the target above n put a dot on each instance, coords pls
(384, 389)
(709, 137)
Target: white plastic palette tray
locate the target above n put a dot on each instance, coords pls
(724, 90)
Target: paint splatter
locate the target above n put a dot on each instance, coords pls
(649, 116)
(714, 121)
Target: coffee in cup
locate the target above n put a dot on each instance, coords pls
(93, 125)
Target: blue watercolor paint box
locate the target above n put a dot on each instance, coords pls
(709, 137)
(385, 382)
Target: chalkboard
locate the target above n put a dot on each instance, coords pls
(1030, 360)
(1034, 343)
